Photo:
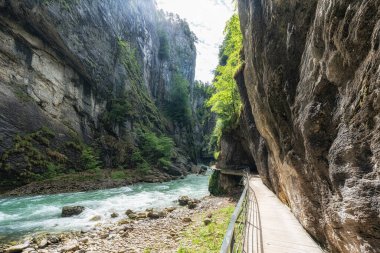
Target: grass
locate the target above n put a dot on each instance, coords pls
(121, 175)
(207, 239)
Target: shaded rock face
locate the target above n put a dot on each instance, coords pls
(66, 65)
(312, 85)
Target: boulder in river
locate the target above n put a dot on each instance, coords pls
(129, 211)
(183, 200)
(114, 215)
(68, 211)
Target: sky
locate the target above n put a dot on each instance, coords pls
(207, 19)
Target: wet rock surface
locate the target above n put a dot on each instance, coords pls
(310, 89)
(68, 211)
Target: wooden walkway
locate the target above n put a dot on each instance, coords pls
(272, 226)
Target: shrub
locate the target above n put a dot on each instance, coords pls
(225, 101)
(154, 148)
(52, 170)
(90, 159)
(73, 145)
(143, 168)
(213, 186)
(163, 162)
(118, 175)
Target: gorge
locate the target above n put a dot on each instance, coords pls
(100, 94)
(87, 85)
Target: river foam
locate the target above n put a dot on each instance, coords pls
(23, 215)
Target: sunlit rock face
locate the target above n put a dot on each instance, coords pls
(312, 79)
(62, 66)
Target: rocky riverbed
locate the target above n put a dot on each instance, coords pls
(150, 231)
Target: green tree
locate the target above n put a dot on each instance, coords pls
(156, 149)
(225, 102)
(90, 160)
(178, 106)
(163, 52)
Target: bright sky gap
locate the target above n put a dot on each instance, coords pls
(207, 19)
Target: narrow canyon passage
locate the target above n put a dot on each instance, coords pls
(110, 103)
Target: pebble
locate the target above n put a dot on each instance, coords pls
(72, 245)
(163, 234)
(17, 248)
(43, 243)
(187, 219)
(207, 221)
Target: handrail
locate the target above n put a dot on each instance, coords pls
(228, 241)
(234, 239)
(259, 236)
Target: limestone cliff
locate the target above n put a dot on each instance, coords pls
(93, 72)
(311, 90)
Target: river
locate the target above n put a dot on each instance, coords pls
(20, 216)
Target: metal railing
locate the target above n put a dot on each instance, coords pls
(244, 230)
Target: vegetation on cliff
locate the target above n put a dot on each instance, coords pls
(121, 105)
(225, 102)
(178, 105)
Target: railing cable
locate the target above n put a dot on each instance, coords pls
(243, 234)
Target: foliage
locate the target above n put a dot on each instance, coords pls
(205, 91)
(128, 57)
(117, 110)
(73, 145)
(134, 103)
(119, 175)
(139, 162)
(207, 239)
(213, 185)
(52, 170)
(178, 106)
(156, 150)
(29, 158)
(163, 52)
(225, 102)
(90, 160)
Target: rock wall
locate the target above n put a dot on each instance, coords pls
(311, 82)
(90, 70)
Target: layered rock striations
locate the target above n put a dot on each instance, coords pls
(311, 92)
(96, 72)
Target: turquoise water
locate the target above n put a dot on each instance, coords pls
(24, 215)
